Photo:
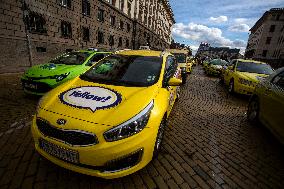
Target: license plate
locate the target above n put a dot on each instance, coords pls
(30, 85)
(59, 152)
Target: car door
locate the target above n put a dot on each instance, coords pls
(229, 72)
(272, 108)
(170, 69)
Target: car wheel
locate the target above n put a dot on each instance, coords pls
(178, 93)
(183, 78)
(231, 86)
(253, 110)
(159, 138)
(221, 80)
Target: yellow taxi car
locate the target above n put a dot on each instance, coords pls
(267, 104)
(110, 121)
(181, 57)
(243, 75)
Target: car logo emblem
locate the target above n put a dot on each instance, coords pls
(61, 121)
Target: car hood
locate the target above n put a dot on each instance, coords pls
(49, 69)
(97, 103)
(252, 76)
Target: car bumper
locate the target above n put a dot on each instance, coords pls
(105, 158)
(214, 72)
(38, 87)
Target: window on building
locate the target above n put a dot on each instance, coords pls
(36, 23)
(112, 20)
(121, 25)
(127, 43)
(101, 15)
(100, 37)
(278, 16)
(111, 40)
(121, 4)
(128, 8)
(86, 34)
(264, 53)
(40, 49)
(86, 7)
(282, 29)
(268, 40)
(128, 27)
(112, 2)
(272, 28)
(119, 41)
(66, 29)
(65, 3)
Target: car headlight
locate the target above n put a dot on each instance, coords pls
(60, 77)
(260, 78)
(130, 127)
(246, 82)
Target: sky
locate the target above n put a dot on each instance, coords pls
(218, 22)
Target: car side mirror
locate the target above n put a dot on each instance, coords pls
(174, 82)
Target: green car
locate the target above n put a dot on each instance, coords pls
(267, 104)
(215, 66)
(41, 78)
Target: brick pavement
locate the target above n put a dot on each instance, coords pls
(209, 144)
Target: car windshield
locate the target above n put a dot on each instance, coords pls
(125, 70)
(254, 68)
(181, 58)
(72, 58)
(218, 62)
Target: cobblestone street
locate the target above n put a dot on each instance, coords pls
(208, 144)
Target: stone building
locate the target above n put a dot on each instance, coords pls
(266, 41)
(205, 50)
(33, 31)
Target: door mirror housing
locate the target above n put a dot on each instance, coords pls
(174, 82)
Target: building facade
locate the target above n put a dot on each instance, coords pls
(225, 53)
(266, 41)
(33, 31)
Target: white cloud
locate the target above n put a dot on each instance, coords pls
(240, 20)
(219, 19)
(239, 28)
(201, 33)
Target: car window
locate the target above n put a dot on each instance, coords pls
(279, 80)
(171, 66)
(97, 57)
(124, 70)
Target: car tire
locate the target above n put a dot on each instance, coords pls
(231, 87)
(253, 110)
(159, 138)
(221, 79)
(178, 93)
(184, 76)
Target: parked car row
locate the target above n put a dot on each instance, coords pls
(258, 79)
(105, 117)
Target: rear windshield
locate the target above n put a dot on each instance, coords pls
(180, 57)
(125, 70)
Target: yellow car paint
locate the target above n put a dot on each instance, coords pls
(54, 107)
(243, 82)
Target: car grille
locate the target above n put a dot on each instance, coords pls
(72, 137)
(40, 87)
